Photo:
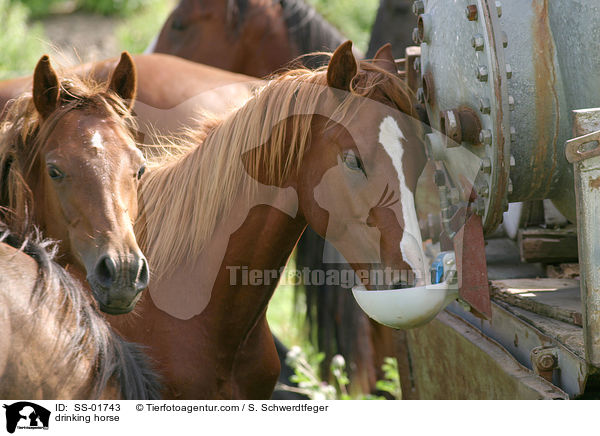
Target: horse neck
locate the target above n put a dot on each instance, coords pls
(308, 30)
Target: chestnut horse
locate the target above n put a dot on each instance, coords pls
(253, 37)
(69, 166)
(54, 344)
(336, 149)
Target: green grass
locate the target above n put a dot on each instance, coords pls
(353, 18)
(135, 33)
(21, 45)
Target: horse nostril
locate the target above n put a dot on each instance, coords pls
(143, 275)
(106, 271)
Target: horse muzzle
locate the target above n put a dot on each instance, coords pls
(117, 283)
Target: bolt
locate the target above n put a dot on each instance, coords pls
(499, 9)
(415, 36)
(471, 12)
(483, 191)
(508, 71)
(482, 73)
(486, 165)
(513, 135)
(504, 39)
(511, 103)
(512, 161)
(417, 65)
(420, 96)
(485, 137)
(484, 105)
(424, 26)
(418, 7)
(450, 126)
(546, 362)
(510, 186)
(477, 42)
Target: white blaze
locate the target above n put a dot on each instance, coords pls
(97, 140)
(392, 139)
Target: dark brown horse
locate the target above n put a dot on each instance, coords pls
(253, 37)
(69, 165)
(54, 344)
(336, 149)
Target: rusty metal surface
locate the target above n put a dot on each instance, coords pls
(520, 331)
(584, 152)
(469, 248)
(452, 360)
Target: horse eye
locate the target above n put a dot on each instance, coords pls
(353, 162)
(55, 173)
(141, 172)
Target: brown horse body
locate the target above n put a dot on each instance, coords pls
(253, 37)
(54, 345)
(209, 334)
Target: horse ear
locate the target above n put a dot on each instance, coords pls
(124, 79)
(46, 91)
(384, 59)
(342, 67)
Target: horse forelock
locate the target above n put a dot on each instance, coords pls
(23, 136)
(185, 199)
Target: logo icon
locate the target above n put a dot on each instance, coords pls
(26, 415)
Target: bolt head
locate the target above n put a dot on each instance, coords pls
(486, 165)
(484, 105)
(499, 9)
(546, 362)
(417, 65)
(421, 96)
(418, 7)
(511, 103)
(483, 191)
(471, 12)
(415, 36)
(504, 39)
(510, 187)
(508, 71)
(482, 73)
(485, 137)
(477, 42)
(513, 135)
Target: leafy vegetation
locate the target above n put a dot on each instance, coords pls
(41, 8)
(353, 18)
(312, 385)
(20, 45)
(136, 32)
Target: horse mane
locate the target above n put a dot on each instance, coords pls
(185, 199)
(308, 30)
(23, 135)
(84, 333)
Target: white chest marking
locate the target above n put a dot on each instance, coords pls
(392, 139)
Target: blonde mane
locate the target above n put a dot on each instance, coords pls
(184, 199)
(23, 137)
